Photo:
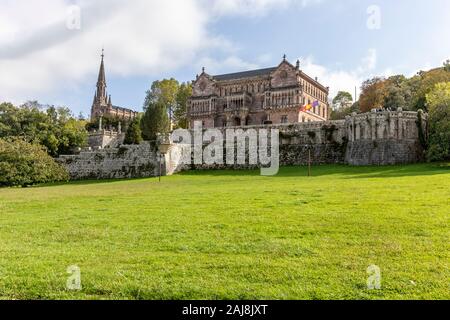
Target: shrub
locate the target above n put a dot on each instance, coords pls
(26, 164)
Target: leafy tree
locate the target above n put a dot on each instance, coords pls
(54, 128)
(447, 65)
(342, 100)
(438, 101)
(373, 93)
(180, 112)
(154, 121)
(397, 93)
(425, 82)
(26, 164)
(163, 92)
(134, 132)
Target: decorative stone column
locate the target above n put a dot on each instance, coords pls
(373, 124)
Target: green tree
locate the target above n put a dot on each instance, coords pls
(342, 100)
(180, 112)
(134, 132)
(163, 92)
(397, 93)
(54, 128)
(26, 164)
(425, 82)
(438, 101)
(154, 121)
(447, 65)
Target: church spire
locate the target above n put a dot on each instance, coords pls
(101, 83)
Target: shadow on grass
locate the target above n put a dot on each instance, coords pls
(92, 182)
(344, 170)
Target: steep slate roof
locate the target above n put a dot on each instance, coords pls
(245, 74)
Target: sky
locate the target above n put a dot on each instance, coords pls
(50, 49)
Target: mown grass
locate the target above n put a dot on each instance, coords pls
(232, 235)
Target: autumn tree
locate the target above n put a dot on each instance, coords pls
(372, 95)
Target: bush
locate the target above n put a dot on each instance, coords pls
(25, 164)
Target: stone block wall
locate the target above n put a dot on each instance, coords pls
(135, 161)
(376, 138)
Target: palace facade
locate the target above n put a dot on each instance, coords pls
(266, 96)
(102, 105)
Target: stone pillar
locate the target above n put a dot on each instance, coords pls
(373, 125)
(358, 130)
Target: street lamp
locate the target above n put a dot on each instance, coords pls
(163, 148)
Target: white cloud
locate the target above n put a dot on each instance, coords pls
(342, 80)
(255, 7)
(40, 55)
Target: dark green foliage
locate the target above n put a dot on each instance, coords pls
(422, 132)
(154, 121)
(180, 112)
(447, 65)
(25, 164)
(439, 123)
(134, 132)
(54, 128)
(108, 121)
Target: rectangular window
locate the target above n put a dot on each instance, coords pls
(284, 119)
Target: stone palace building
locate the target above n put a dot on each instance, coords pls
(102, 105)
(267, 96)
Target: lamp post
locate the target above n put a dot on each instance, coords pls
(163, 148)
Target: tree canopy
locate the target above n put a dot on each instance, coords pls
(53, 127)
(343, 99)
(154, 121)
(25, 164)
(438, 102)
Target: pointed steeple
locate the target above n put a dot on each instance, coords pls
(101, 83)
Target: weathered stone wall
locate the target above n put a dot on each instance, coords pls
(113, 163)
(383, 138)
(377, 138)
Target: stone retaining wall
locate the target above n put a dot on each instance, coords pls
(376, 138)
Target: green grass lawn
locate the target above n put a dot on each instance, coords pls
(232, 235)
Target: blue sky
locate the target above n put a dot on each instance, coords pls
(149, 40)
